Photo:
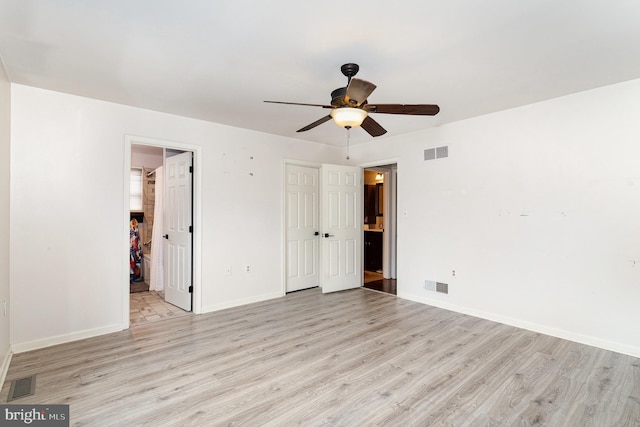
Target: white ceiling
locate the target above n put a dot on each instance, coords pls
(218, 60)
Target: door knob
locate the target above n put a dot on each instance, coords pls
(328, 235)
(317, 233)
(166, 236)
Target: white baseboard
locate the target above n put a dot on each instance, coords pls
(534, 327)
(61, 339)
(90, 333)
(239, 302)
(4, 368)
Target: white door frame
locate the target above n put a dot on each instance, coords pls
(130, 140)
(390, 222)
(283, 238)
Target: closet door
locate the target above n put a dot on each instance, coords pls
(341, 231)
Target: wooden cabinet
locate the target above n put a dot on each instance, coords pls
(372, 202)
(373, 250)
(369, 204)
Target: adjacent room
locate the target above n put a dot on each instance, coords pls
(424, 213)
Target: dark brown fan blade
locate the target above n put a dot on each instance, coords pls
(299, 103)
(372, 127)
(316, 123)
(358, 92)
(410, 109)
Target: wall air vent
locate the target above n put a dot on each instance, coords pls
(432, 286)
(442, 152)
(430, 154)
(443, 288)
(436, 153)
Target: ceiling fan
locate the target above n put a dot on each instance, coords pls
(349, 106)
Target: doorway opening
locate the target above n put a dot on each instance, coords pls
(163, 274)
(380, 214)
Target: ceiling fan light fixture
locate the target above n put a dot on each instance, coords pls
(348, 117)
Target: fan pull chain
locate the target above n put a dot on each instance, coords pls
(348, 138)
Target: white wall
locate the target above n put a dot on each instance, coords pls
(67, 178)
(537, 209)
(5, 139)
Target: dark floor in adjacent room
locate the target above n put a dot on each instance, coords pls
(377, 282)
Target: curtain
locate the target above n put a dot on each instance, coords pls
(156, 282)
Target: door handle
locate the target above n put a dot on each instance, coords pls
(317, 233)
(166, 236)
(328, 235)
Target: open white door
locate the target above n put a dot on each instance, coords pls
(177, 230)
(302, 227)
(341, 189)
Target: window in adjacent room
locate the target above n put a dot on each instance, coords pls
(135, 189)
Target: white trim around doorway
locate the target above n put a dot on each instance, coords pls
(390, 221)
(130, 140)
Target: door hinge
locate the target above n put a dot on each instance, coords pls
(191, 229)
(190, 169)
(191, 289)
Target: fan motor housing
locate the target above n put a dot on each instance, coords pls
(337, 97)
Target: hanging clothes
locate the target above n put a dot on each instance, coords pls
(135, 252)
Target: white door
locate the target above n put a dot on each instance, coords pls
(177, 230)
(302, 227)
(341, 206)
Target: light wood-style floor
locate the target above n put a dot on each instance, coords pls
(351, 358)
